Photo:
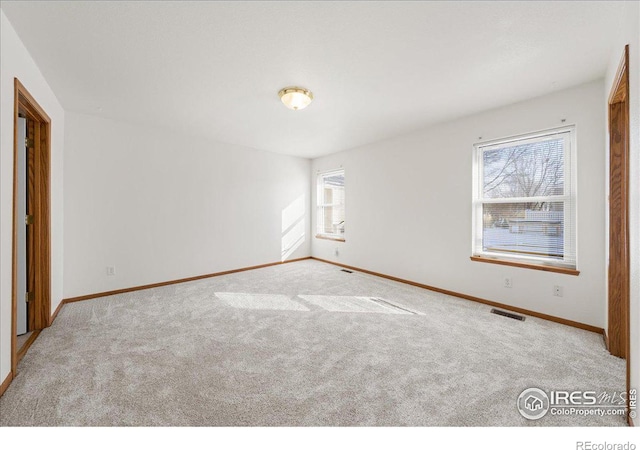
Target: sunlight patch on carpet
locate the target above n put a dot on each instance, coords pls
(260, 301)
(342, 303)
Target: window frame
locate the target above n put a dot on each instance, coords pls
(569, 197)
(320, 204)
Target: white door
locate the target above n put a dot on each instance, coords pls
(21, 226)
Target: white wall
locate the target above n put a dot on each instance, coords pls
(160, 206)
(408, 207)
(15, 61)
(629, 33)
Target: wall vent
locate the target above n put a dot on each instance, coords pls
(507, 314)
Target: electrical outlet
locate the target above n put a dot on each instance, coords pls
(508, 283)
(111, 271)
(557, 291)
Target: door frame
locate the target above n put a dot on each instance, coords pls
(25, 104)
(619, 274)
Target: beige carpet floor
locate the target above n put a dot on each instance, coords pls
(299, 344)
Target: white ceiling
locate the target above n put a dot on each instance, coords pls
(377, 69)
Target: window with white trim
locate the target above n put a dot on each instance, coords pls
(524, 199)
(330, 217)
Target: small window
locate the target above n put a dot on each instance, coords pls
(330, 218)
(524, 199)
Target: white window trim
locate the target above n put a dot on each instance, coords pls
(570, 220)
(321, 204)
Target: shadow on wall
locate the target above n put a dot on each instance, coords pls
(293, 226)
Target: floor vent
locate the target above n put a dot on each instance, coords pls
(507, 314)
(345, 270)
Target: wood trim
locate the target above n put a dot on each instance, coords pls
(527, 312)
(14, 237)
(5, 384)
(43, 214)
(620, 90)
(503, 262)
(55, 313)
(31, 244)
(329, 238)
(619, 273)
(181, 280)
(28, 98)
(25, 347)
(23, 102)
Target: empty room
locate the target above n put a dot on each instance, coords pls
(320, 214)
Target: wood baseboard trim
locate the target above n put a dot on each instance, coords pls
(181, 280)
(55, 313)
(25, 347)
(5, 384)
(527, 312)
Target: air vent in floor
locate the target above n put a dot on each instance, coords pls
(345, 270)
(507, 314)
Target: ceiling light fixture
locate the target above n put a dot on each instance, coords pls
(295, 97)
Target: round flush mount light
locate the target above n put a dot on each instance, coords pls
(295, 97)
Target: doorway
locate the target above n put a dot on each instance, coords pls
(24, 178)
(31, 282)
(619, 272)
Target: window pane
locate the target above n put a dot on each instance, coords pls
(330, 219)
(333, 220)
(534, 229)
(524, 169)
(336, 179)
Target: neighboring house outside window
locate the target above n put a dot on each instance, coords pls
(524, 199)
(330, 200)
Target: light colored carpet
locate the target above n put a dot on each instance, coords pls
(298, 344)
(350, 303)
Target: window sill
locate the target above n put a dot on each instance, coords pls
(329, 238)
(504, 262)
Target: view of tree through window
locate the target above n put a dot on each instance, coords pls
(527, 170)
(524, 199)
